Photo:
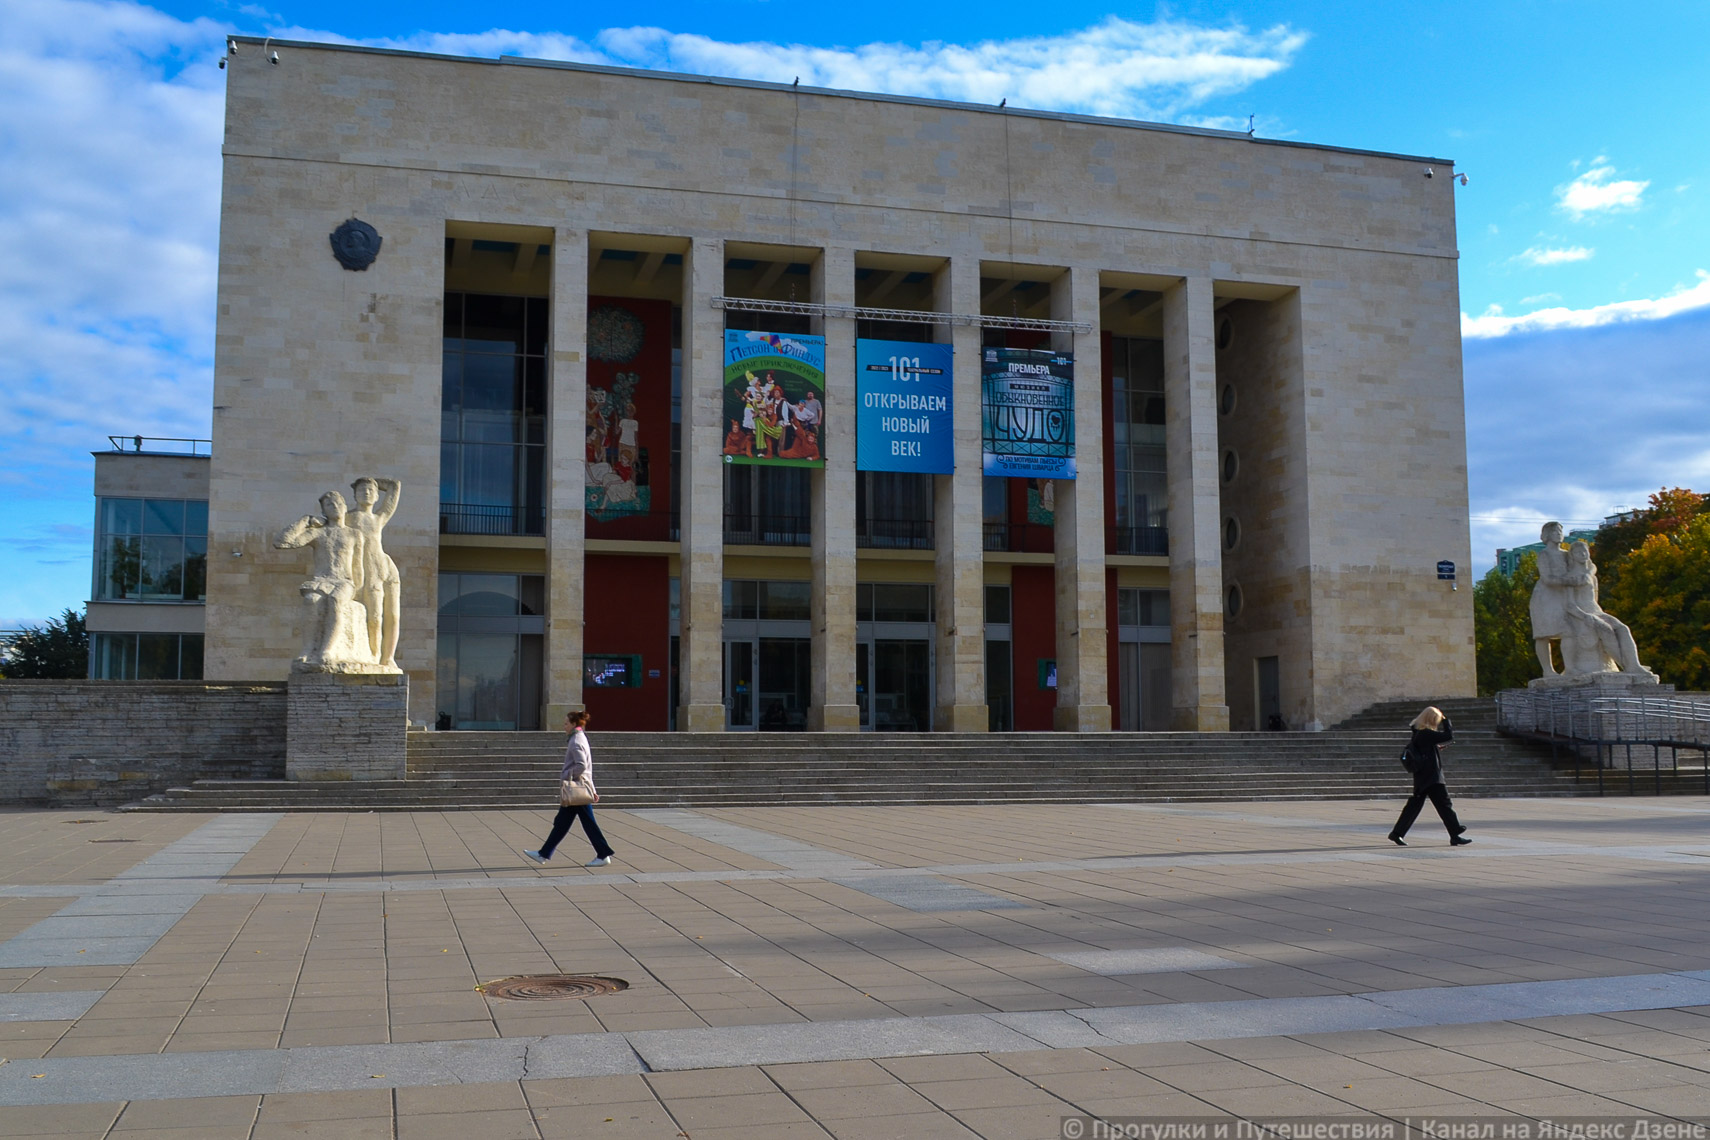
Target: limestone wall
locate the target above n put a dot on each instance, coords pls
(100, 743)
(323, 374)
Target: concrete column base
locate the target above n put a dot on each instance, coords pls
(700, 718)
(834, 718)
(962, 718)
(1081, 718)
(552, 715)
(346, 726)
(1200, 718)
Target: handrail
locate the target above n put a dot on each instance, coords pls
(133, 444)
(1604, 724)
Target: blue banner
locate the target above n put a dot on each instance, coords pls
(904, 416)
(1027, 412)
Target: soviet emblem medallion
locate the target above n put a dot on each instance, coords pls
(355, 244)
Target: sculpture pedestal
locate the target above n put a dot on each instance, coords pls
(346, 726)
(1604, 684)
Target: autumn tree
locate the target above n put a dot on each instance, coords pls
(1670, 510)
(1662, 592)
(1502, 628)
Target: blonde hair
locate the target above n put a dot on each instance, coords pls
(1429, 719)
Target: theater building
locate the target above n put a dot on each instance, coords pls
(723, 405)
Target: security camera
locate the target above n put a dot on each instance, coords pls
(274, 60)
(1429, 173)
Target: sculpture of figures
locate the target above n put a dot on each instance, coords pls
(1549, 610)
(377, 583)
(1595, 642)
(1564, 606)
(336, 637)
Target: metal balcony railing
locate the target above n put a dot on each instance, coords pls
(895, 534)
(747, 529)
(469, 518)
(1140, 540)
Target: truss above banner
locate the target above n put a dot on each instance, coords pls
(915, 316)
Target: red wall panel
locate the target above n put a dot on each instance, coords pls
(629, 361)
(1033, 633)
(626, 609)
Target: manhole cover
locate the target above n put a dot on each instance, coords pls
(112, 841)
(551, 987)
(69, 822)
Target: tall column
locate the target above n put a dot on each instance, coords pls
(1198, 698)
(833, 504)
(1083, 655)
(566, 438)
(701, 642)
(958, 520)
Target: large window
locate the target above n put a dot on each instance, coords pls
(1142, 486)
(493, 415)
(151, 550)
(146, 656)
(767, 506)
(491, 650)
(893, 509)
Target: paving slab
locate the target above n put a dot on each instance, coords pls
(1118, 959)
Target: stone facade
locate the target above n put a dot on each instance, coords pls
(346, 726)
(98, 743)
(1335, 270)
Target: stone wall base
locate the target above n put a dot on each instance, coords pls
(346, 726)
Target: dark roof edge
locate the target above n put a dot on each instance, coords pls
(873, 96)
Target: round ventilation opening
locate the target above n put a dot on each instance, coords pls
(1226, 400)
(1233, 603)
(552, 987)
(1231, 465)
(1231, 533)
(1225, 333)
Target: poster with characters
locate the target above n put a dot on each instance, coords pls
(628, 417)
(774, 393)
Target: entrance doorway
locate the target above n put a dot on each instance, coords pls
(766, 683)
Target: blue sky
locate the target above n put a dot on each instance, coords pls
(1584, 228)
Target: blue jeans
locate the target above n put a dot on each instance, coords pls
(561, 827)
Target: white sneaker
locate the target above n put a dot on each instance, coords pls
(602, 861)
(536, 856)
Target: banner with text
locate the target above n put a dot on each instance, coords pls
(1027, 412)
(773, 387)
(903, 418)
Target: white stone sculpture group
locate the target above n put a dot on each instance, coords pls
(351, 603)
(1594, 645)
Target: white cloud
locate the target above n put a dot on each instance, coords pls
(1493, 323)
(1547, 256)
(1540, 298)
(1597, 191)
(1118, 67)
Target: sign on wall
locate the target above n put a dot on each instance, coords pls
(1027, 412)
(903, 416)
(774, 388)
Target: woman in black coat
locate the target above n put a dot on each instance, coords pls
(1431, 730)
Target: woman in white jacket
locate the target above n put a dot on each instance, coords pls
(578, 762)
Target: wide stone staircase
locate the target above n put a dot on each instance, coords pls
(1356, 760)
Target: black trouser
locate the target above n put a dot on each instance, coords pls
(1439, 796)
(561, 827)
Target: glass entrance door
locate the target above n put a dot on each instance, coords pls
(902, 685)
(739, 686)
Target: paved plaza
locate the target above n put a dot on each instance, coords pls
(852, 972)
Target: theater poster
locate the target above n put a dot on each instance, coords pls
(774, 398)
(903, 415)
(1027, 412)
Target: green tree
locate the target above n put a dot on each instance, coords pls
(1662, 592)
(59, 649)
(1502, 628)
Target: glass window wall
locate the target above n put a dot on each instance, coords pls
(493, 415)
(151, 550)
(491, 650)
